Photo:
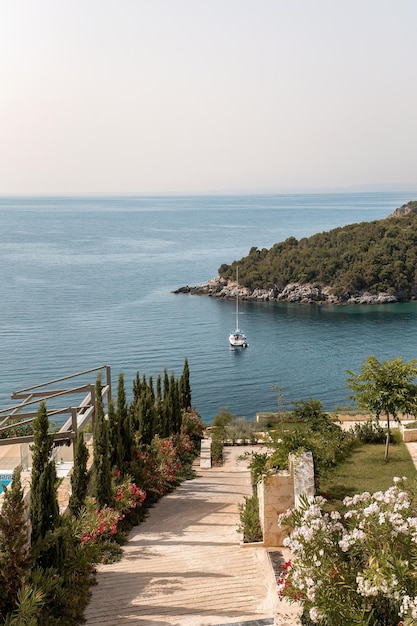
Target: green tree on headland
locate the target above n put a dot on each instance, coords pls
(385, 388)
(377, 256)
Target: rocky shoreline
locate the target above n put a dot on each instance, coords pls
(293, 292)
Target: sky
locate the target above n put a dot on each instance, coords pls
(207, 96)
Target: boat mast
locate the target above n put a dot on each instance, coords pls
(237, 298)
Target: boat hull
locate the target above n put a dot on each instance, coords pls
(238, 339)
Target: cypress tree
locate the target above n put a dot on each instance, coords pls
(15, 559)
(115, 439)
(159, 407)
(133, 411)
(44, 510)
(102, 469)
(151, 389)
(79, 478)
(166, 430)
(143, 431)
(111, 431)
(185, 386)
(166, 408)
(148, 417)
(174, 397)
(159, 389)
(125, 422)
(166, 383)
(121, 408)
(136, 388)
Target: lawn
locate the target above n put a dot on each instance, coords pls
(366, 470)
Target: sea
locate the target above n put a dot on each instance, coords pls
(89, 281)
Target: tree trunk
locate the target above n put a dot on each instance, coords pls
(387, 439)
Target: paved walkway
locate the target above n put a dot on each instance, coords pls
(412, 448)
(184, 565)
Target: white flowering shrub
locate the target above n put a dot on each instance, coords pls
(357, 569)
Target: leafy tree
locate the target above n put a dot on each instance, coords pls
(310, 412)
(79, 477)
(44, 510)
(15, 561)
(385, 388)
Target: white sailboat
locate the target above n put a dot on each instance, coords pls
(237, 338)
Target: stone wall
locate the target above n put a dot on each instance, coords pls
(280, 492)
(409, 434)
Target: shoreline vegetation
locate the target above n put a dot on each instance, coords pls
(366, 263)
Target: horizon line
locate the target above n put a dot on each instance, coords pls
(366, 188)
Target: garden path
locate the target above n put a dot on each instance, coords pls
(184, 565)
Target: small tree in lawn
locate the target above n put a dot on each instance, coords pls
(15, 562)
(385, 388)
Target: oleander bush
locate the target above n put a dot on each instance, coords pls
(356, 568)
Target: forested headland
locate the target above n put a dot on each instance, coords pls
(364, 262)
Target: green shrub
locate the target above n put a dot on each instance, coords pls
(217, 445)
(239, 429)
(111, 552)
(370, 431)
(314, 431)
(250, 525)
(258, 466)
(218, 434)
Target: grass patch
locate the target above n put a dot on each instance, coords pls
(366, 470)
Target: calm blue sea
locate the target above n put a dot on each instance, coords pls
(88, 281)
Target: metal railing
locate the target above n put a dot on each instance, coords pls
(79, 415)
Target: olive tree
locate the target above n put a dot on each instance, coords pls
(385, 388)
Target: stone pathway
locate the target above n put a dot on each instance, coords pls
(184, 565)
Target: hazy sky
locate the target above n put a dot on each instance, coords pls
(159, 96)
